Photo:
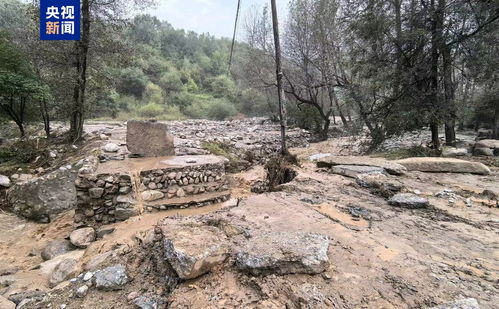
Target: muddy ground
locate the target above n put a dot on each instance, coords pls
(380, 256)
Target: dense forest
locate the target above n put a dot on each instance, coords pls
(383, 66)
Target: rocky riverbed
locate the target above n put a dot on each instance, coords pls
(346, 232)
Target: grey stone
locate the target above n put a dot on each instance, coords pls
(444, 165)
(285, 253)
(194, 250)
(144, 302)
(488, 152)
(42, 198)
(82, 237)
(111, 147)
(4, 181)
(380, 184)
(96, 192)
(149, 139)
(121, 214)
(151, 195)
(111, 278)
(82, 291)
(454, 152)
(487, 143)
(88, 275)
(408, 200)
(467, 303)
(56, 248)
(17, 298)
(318, 156)
(62, 272)
(355, 170)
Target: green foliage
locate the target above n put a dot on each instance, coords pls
(220, 109)
(150, 110)
(131, 81)
(153, 94)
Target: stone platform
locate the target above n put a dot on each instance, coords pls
(116, 190)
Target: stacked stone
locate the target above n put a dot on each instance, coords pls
(104, 198)
(171, 184)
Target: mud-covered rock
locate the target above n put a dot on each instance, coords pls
(356, 170)
(152, 195)
(408, 200)
(444, 165)
(65, 270)
(149, 139)
(82, 237)
(467, 303)
(284, 253)
(380, 184)
(42, 198)
(55, 248)
(194, 250)
(454, 152)
(111, 278)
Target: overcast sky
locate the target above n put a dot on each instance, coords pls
(213, 16)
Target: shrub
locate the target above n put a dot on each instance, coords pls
(221, 109)
(150, 110)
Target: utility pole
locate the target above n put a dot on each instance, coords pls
(280, 90)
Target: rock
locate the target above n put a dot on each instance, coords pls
(194, 250)
(408, 200)
(82, 291)
(467, 303)
(42, 198)
(355, 170)
(180, 192)
(48, 267)
(390, 166)
(17, 298)
(149, 139)
(121, 214)
(380, 184)
(96, 192)
(111, 278)
(454, 152)
(145, 303)
(56, 248)
(98, 260)
(483, 152)
(111, 147)
(488, 143)
(4, 181)
(285, 253)
(444, 165)
(82, 237)
(318, 156)
(88, 275)
(152, 195)
(62, 272)
(6, 304)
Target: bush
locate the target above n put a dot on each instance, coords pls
(221, 109)
(172, 113)
(150, 110)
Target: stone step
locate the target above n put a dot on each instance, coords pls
(188, 201)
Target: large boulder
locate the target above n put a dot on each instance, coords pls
(488, 143)
(42, 198)
(356, 170)
(149, 139)
(284, 253)
(111, 278)
(390, 166)
(82, 237)
(444, 165)
(454, 152)
(55, 248)
(408, 200)
(194, 250)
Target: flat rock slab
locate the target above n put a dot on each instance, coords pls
(149, 139)
(356, 170)
(285, 253)
(444, 165)
(467, 303)
(389, 166)
(408, 200)
(194, 250)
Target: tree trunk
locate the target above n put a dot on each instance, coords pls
(280, 90)
(496, 122)
(325, 129)
(434, 135)
(433, 97)
(46, 117)
(77, 113)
